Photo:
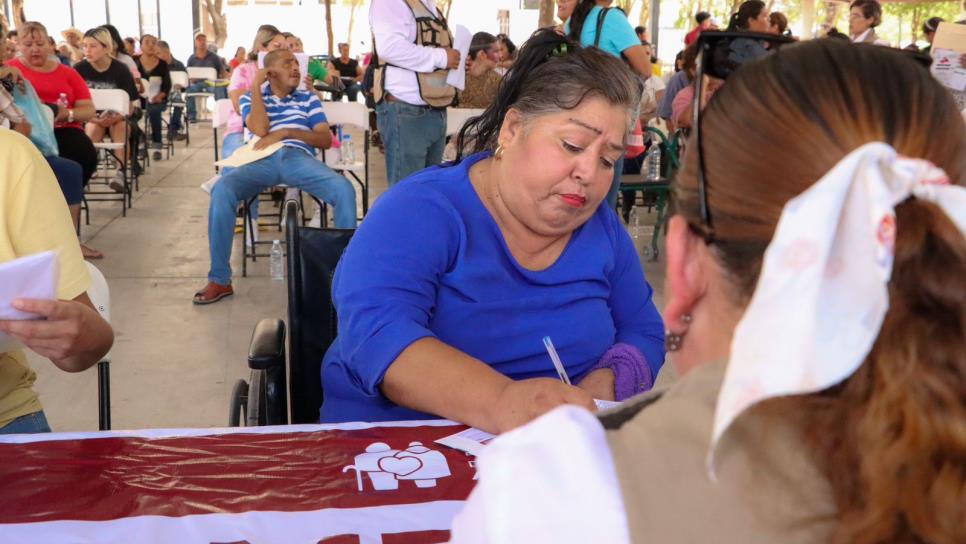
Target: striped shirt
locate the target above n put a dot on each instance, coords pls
(300, 110)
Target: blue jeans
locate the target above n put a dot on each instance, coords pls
(291, 166)
(414, 137)
(202, 87)
(70, 176)
(351, 90)
(154, 112)
(29, 424)
(229, 145)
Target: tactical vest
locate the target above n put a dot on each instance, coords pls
(431, 31)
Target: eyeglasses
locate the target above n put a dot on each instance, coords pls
(720, 54)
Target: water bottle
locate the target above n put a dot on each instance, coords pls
(634, 225)
(276, 266)
(653, 160)
(348, 154)
(62, 100)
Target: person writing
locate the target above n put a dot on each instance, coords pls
(71, 333)
(817, 320)
(277, 112)
(509, 245)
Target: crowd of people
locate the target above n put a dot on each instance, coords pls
(814, 261)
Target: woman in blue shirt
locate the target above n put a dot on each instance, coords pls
(458, 272)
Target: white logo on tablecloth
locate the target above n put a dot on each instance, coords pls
(386, 466)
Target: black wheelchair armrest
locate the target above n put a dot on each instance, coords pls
(267, 348)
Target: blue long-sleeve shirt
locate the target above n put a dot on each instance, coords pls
(430, 261)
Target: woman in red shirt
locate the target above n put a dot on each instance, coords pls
(62, 88)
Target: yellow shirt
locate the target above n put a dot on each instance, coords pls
(33, 218)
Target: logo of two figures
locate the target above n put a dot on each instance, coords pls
(386, 466)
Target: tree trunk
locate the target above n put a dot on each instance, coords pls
(352, 20)
(18, 16)
(218, 22)
(546, 13)
(328, 27)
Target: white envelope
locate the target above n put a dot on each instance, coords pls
(34, 276)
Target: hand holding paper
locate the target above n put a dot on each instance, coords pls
(68, 332)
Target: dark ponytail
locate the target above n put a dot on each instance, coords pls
(578, 17)
(552, 73)
(747, 10)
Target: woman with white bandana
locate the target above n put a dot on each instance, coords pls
(817, 318)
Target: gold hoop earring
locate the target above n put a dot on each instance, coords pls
(498, 154)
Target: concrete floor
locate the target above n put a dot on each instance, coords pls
(173, 363)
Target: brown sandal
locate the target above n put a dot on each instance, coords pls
(213, 292)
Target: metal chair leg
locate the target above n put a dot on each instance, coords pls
(104, 395)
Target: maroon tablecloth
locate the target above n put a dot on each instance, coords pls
(281, 484)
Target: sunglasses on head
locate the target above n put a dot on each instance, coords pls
(720, 54)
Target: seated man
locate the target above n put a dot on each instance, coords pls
(275, 112)
(203, 58)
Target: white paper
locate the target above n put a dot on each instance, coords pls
(946, 69)
(461, 43)
(154, 86)
(605, 404)
(471, 440)
(303, 60)
(247, 154)
(35, 276)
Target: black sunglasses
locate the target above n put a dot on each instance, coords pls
(720, 54)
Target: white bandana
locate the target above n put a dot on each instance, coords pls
(822, 295)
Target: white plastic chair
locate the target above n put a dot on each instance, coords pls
(201, 98)
(100, 295)
(119, 101)
(457, 117)
(353, 114)
(180, 82)
(219, 118)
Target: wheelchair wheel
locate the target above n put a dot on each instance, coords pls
(257, 401)
(237, 411)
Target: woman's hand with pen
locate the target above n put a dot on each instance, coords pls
(525, 400)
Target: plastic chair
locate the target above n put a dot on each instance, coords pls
(100, 296)
(313, 255)
(353, 114)
(219, 118)
(119, 101)
(659, 189)
(457, 117)
(180, 82)
(202, 73)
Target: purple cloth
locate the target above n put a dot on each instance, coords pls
(632, 375)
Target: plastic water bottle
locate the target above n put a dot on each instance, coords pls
(634, 225)
(348, 154)
(276, 266)
(653, 161)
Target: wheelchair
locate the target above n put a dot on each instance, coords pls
(285, 384)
